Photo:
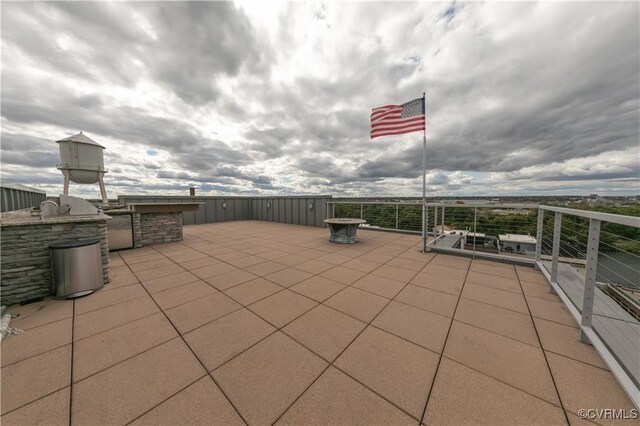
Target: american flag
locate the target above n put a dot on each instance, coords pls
(398, 119)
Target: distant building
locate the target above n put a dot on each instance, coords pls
(505, 212)
(517, 243)
(472, 201)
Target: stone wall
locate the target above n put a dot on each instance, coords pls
(25, 264)
(157, 228)
(137, 230)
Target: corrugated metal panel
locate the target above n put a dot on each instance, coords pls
(295, 214)
(293, 210)
(246, 209)
(17, 199)
(237, 209)
(210, 211)
(272, 210)
(282, 216)
(201, 214)
(255, 211)
(273, 216)
(219, 211)
(303, 212)
(317, 210)
(188, 218)
(263, 210)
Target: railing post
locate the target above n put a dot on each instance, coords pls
(333, 210)
(425, 223)
(590, 277)
(435, 222)
(475, 222)
(555, 253)
(361, 210)
(396, 217)
(539, 237)
(442, 221)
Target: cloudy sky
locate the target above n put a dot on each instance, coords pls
(247, 98)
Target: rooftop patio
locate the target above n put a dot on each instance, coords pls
(264, 323)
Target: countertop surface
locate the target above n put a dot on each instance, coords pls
(24, 217)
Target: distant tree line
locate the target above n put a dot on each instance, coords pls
(494, 221)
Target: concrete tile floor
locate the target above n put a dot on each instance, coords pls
(262, 323)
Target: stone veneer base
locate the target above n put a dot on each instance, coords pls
(25, 264)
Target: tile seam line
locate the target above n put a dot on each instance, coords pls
(496, 288)
(503, 382)
(35, 355)
(106, 287)
(340, 354)
(73, 318)
(276, 329)
(181, 337)
(576, 360)
(331, 364)
(492, 305)
(254, 301)
(222, 261)
(118, 326)
(178, 286)
(544, 354)
(127, 359)
(216, 291)
(444, 346)
(492, 275)
(497, 334)
(365, 326)
(379, 295)
(43, 352)
(210, 285)
(166, 399)
(37, 399)
(284, 288)
(496, 306)
(112, 304)
(43, 325)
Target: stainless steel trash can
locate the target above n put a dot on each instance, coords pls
(76, 267)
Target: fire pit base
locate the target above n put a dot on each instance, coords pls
(344, 231)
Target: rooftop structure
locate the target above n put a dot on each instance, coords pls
(262, 322)
(82, 161)
(517, 238)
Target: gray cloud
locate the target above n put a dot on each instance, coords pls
(232, 102)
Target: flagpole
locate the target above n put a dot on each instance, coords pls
(424, 175)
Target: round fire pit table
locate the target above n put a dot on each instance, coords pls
(343, 231)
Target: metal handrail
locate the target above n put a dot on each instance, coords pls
(588, 214)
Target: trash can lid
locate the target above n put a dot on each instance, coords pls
(73, 244)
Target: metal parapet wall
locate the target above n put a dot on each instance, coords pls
(294, 210)
(17, 199)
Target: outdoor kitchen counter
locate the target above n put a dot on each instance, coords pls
(25, 265)
(24, 217)
(157, 223)
(163, 207)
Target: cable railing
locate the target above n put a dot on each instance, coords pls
(504, 232)
(402, 217)
(591, 260)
